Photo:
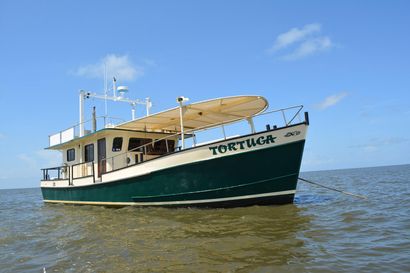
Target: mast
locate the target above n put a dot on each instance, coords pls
(81, 123)
(118, 95)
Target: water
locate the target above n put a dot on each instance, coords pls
(323, 231)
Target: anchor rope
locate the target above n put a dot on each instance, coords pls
(333, 189)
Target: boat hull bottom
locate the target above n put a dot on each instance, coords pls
(271, 199)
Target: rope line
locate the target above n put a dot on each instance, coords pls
(333, 189)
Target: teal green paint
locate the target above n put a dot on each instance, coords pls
(254, 172)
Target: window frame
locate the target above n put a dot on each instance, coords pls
(142, 141)
(114, 148)
(86, 155)
(70, 155)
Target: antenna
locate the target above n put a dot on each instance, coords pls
(133, 106)
(121, 90)
(148, 105)
(105, 92)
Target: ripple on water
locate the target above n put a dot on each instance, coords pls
(323, 231)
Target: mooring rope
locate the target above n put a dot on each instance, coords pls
(333, 189)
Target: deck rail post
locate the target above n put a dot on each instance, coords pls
(284, 117)
(93, 171)
(223, 131)
(251, 124)
(182, 110)
(72, 175)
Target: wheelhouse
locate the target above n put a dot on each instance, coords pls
(105, 151)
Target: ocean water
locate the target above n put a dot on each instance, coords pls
(323, 231)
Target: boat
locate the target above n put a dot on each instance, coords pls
(159, 160)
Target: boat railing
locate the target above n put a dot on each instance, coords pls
(56, 173)
(82, 170)
(69, 172)
(285, 120)
(74, 131)
(277, 119)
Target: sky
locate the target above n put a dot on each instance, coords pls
(347, 62)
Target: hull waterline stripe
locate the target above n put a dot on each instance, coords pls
(185, 202)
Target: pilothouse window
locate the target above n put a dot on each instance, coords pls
(70, 155)
(89, 152)
(153, 147)
(134, 143)
(160, 147)
(117, 144)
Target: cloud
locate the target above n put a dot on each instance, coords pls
(311, 160)
(27, 160)
(2, 135)
(294, 35)
(298, 43)
(382, 112)
(117, 66)
(49, 158)
(375, 143)
(33, 161)
(150, 62)
(309, 47)
(331, 101)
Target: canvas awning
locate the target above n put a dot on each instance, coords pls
(200, 115)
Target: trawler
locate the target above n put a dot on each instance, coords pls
(159, 159)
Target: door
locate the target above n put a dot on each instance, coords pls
(101, 154)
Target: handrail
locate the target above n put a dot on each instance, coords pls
(199, 129)
(54, 168)
(297, 113)
(46, 175)
(82, 175)
(88, 120)
(70, 172)
(81, 163)
(76, 127)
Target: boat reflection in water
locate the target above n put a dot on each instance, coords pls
(183, 240)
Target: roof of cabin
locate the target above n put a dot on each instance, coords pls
(200, 115)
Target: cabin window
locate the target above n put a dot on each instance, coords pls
(134, 143)
(160, 147)
(117, 144)
(89, 152)
(70, 154)
(171, 145)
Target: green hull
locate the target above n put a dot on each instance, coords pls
(265, 176)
